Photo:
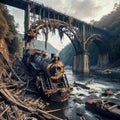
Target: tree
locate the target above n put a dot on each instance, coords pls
(112, 23)
(3, 26)
(8, 30)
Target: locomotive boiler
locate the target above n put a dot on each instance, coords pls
(48, 73)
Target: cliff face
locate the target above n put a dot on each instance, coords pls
(4, 49)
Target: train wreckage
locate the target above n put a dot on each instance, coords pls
(104, 107)
(47, 74)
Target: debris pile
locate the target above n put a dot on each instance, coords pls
(15, 105)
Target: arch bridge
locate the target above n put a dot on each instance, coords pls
(81, 34)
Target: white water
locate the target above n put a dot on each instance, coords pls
(100, 84)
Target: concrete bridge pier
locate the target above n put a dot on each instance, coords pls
(81, 63)
(86, 63)
(103, 60)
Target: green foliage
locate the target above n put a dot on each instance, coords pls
(108, 21)
(67, 54)
(111, 22)
(115, 50)
(93, 54)
(115, 26)
(11, 34)
(8, 30)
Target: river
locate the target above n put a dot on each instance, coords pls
(99, 83)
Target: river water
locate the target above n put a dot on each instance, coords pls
(99, 83)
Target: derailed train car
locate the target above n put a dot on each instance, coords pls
(48, 73)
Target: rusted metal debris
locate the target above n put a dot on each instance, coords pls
(46, 26)
(14, 105)
(104, 107)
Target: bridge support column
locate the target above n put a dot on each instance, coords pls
(27, 19)
(81, 63)
(103, 60)
(86, 63)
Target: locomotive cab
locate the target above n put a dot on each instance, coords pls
(49, 74)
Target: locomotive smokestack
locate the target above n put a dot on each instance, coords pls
(52, 55)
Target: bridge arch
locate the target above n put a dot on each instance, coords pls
(99, 42)
(49, 25)
(102, 48)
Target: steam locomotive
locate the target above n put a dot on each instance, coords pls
(48, 73)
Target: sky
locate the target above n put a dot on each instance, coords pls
(85, 10)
